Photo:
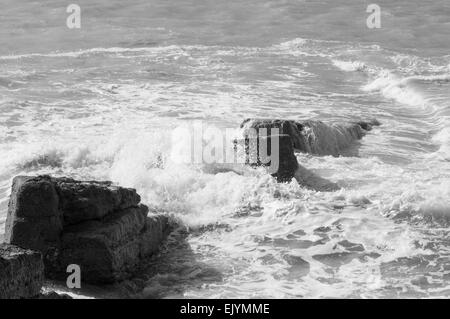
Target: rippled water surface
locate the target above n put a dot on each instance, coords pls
(99, 102)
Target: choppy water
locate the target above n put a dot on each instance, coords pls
(99, 102)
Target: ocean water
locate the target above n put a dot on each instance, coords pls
(101, 101)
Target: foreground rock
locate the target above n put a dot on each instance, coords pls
(21, 272)
(315, 137)
(100, 227)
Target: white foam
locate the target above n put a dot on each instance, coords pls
(445, 77)
(443, 139)
(395, 88)
(92, 51)
(350, 66)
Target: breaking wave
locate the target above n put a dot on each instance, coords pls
(406, 91)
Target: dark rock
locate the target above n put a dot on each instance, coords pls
(368, 125)
(81, 201)
(275, 152)
(34, 220)
(157, 228)
(52, 295)
(100, 227)
(21, 272)
(111, 250)
(314, 137)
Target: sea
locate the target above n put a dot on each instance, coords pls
(100, 102)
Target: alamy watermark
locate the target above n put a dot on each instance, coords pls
(201, 144)
(73, 21)
(374, 19)
(74, 279)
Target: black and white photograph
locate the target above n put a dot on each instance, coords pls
(222, 150)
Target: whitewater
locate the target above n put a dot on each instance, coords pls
(96, 104)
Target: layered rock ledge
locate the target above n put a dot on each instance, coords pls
(100, 227)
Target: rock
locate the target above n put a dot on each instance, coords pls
(52, 295)
(157, 228)
(314, 137)
(274, 151)
(98, 226)
(21, 272)
(282, 163)
(34, 219)
(81, 201)
(112, 249)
